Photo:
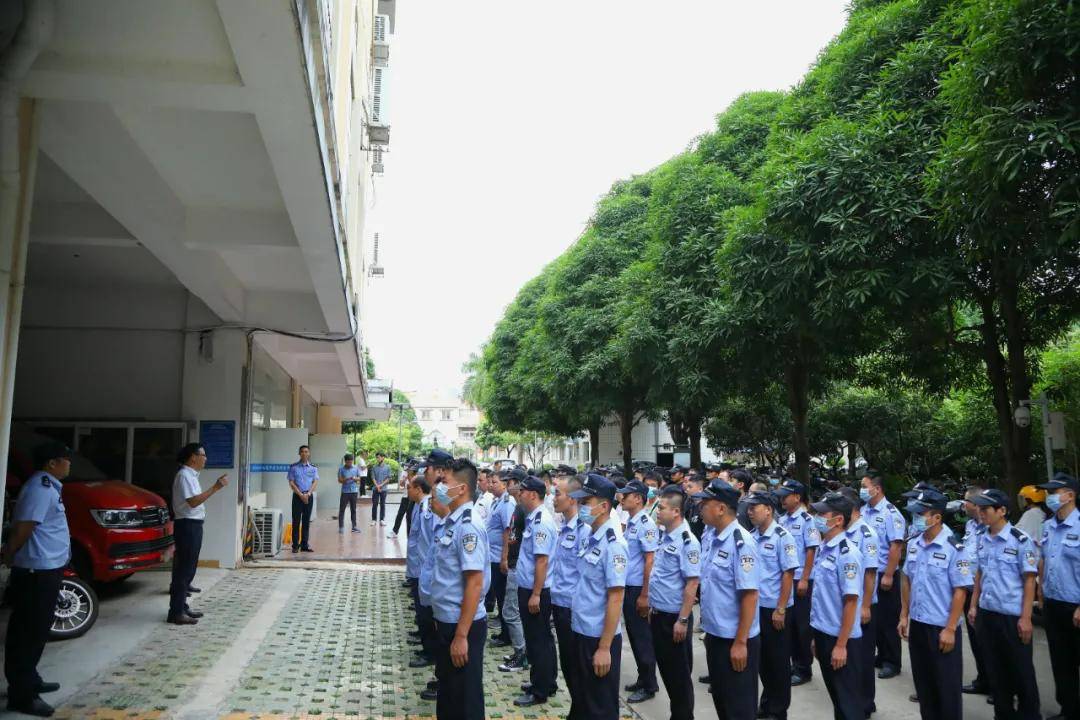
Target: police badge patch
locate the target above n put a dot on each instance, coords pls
(693, 557)
(1030, 557)
(650, 534)
(469, 543)
(789, 550)
(619, 561)
(541, 536)
(747, 563)
(849, 570)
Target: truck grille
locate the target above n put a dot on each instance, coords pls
(138, 548)
(153, 516)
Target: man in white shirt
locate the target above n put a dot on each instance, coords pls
(189, 511)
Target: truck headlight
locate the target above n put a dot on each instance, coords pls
(117, 518)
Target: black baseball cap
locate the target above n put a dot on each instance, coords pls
(531, 482)
(927, 500)
(791, 487)
(634, 486)
(991, 498)
(677, 468)
(518, 475)
(833, 502)
(564, 470)
(919, 487)
(1062, 480)
(595, 485)
(760, 498)
(713, 467)
(51, 451)
(720, 490)
(439, 458)
(851, 494)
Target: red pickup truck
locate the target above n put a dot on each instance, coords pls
(116, 528)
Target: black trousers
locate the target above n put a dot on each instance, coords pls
(461, 689)
(937, 675)
(404, 511)
(866, 660)
(844, 685)
(349, 500)
(800, 632)
(641, 643)
(734, 694)
(425, 622)
(887, 619)
(301, 522)
(980, 680)
(33, 606)
(1009, 664)
(187, 534)
(378, 505)
(1064, 640)
(564, 637)
(775, 670)
(539, 645)
(595, 698)
(498, 593)
(675, 662)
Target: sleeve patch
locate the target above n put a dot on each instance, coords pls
(468, 542)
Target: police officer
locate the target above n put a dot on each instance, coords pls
(778, 556)
(573, 535)
(889, 524)
(303, 479)
(597, 604)
(935, 582)
(534, 578)
(37, 550)
(800, 525)
(425, 611)
(834, 607)
(673, 590)
(1061, 590)
(497, 528)
(461, 578)
(729, 605)
(973, 531)
(1001, 608)
(417, 551)
(865, 539)
(642, 539)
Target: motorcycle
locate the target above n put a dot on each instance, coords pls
(76, 608)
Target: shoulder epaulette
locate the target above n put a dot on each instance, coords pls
(955, 542)
(843, 545)
(467, 515)
(610, 535)
(686, 536)
(780, 530)
(866, 531)
(805, 515)
(738, 535)
(45, 481)
(538, 519)
(1018, 534)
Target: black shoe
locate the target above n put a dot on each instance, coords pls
(295, 550)
(192, 588)
(870, 711)
(975, 688)
(429, 694)
(499, 642)
(406, 584)
(913, 697)
(48, 687)
(797, 680)
(432, 684)
(632, 687)
(193, 613)
(36, 707)
(515, 664)
(703, 679)
(640, 695)
(306, 549)
(528, 700)
(526, 687)
(421, 661)
(181, 620)
(888, 672)
(989, 699)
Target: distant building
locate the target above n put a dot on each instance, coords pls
(445, 420)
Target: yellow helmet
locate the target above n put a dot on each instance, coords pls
(1032, 493)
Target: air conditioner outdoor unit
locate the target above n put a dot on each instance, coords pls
(379, 114)
(381, 44)
(377, 161)
(269, 532)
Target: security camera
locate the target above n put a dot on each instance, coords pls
(1022, 416)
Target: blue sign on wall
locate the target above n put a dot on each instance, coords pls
(270, 467)
(218, 437)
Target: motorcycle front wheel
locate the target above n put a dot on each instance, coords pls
(76, 609)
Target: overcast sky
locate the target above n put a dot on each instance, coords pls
(510, 119)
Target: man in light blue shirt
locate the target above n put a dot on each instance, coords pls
(800, 525)
(348, 476)
(534, 577)
(303, 479)
(597, 604)
(935, 583)
(1061, 589)
(380, 485)
(37, 550)
(573, 537)
(834, 607)
(418, 548)
(426, 616)
(973, 532)
(497, 528)
(865, 539)
(729, 604)
(889, 524)
(642, 538)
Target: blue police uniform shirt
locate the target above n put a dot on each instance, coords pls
(49, 545)
(677, 560)
(1061, 558)
(837, 573)
(888, 523)
(864, 537)
(538, 538)
(573, 537)
(801, 527)
(350, 474)
(934, 569)
(730, 567)
(777, 553)
(602, 565)
(462, 547)
(427, 565)
(641, 536)
(303, 475)
(502, 512)
(1004, 560)
(707, 537)
(973, 531)
(419, 538)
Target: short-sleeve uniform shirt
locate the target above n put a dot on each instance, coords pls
(1061, 558)
(889, 524)
(935, 569)
(1004, 560)
(730, 568)
(602, 565)
(538, 538)
(186, 486)
(49, 546)
(677, 560)
(641, 536)
(837, 574)
(801, 527)
(461, 548)
(777, 553)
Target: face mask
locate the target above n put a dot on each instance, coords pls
(586, 514)
(774, 481)
(652, 493)
(864, 494)
(1054, 502)
(442, 494)
(919, 524)
(822, 524)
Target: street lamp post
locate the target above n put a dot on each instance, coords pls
(1022, 417)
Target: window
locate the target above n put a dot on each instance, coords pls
(425, 414)
(447, 414)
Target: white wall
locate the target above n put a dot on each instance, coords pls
(327, 452)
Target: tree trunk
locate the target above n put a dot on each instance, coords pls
(1019, 381)
(693, 426)
(594, 445)
(626, 428)
(797, 381)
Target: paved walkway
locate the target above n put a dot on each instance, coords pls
(322, 640)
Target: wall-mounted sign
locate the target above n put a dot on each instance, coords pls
(218, 438)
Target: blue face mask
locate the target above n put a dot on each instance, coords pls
(652, 493)
(1054, 502)
(821, 523)
(774, 481)
(864, 494)
(919, 524)
(586, 514)
(442, 494)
